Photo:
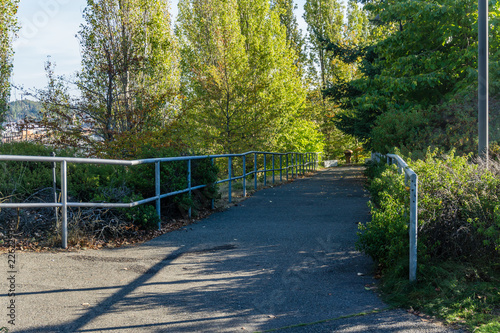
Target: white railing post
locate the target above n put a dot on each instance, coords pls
(157, 192)
(64, 201)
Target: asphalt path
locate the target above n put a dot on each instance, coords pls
(282, 260)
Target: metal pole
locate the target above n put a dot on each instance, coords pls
(64, 201)
(294, 165)
(157, 192)
(54, 186)
(213, 200)
(281, 168)
(287, 167)
(413, 226)
(265, 169)
(273, 168)
(483, 78)
(229, 171)
(244, 177)
(189, 187)
(255, 170)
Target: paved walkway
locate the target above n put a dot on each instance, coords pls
(283, 258)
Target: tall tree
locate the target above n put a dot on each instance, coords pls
(129, 75)
(427, 60)
(285, 9)
(240, 83)
(8, 28)
(325, 19)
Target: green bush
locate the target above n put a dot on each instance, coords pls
(19, 180)
(459, 212)
(173, 177)
(110, 183)
(143, 216)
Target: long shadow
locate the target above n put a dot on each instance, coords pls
(106, 305)
(273, 270)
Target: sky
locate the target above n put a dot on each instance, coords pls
(49, 29)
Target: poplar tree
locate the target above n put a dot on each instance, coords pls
(8, 28)
(240, 84)
(325, 20)
(285, 9)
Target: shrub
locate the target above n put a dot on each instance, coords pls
(459, 212)
(19, 180)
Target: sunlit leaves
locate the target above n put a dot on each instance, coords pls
(8, 28)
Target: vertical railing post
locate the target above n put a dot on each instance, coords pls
(229, 171)
(302, 164)
(287, 166)
(64, 201)
(281, 168)
(244, 177)
(255, 170)
(413, 226)
(54, 187)
(158, 193)
(213, 200)
(265, 169)
(294, 159)
(273, 168)
(189, 187)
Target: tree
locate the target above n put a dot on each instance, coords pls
(241, 87)
(129, 77)
(8, 28)
(427, 59)
(325, 21)
(296, 41)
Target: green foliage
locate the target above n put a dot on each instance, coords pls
(18, 180)
(457, 292)
(129, 76)
(8, 28)
(416, 90)
(458, 212)
(89, 182)
(174, 177)
(459, 235)
(144, 216)
(385, 237)
(23, 109)
(241, 88)
(110, 183)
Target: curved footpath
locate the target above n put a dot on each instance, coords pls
(282, 260)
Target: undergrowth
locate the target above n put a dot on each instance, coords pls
(459, 238)
(29, 182)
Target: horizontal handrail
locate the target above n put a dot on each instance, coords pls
(299, 163)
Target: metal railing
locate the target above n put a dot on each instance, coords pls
(296, 163)
(412, 178)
